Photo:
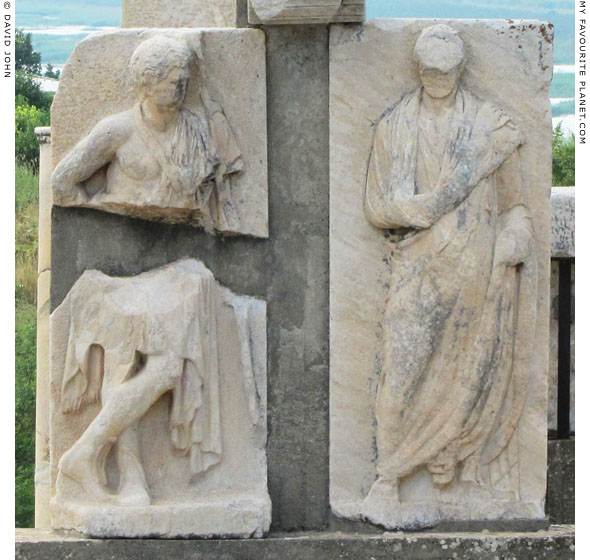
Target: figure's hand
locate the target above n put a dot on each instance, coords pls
(65, 192)
(415, 209)
(513, 246)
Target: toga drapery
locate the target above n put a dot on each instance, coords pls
(458, 331)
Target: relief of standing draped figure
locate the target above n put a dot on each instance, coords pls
(160, 159)
(445, 181)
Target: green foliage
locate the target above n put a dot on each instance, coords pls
(26, 88)
(25, 58)
(564, 108)
(564, 159)
(28, 117)
(26, 226)
(25, 360)
(26, 205)
(51, 73)
(32, 109)
(26, 190)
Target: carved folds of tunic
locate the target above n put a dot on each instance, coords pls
(450, 381)
(158, 388)
(173, 146)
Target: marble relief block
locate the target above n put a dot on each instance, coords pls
(158, 407)
(440, 184)
(293, 12)
(180, 13)
(166, 125)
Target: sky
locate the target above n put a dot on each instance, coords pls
(56, 44)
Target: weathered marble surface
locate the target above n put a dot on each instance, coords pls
(179, 142)
(563, 222)
(371, 70)
(291, 12)
(180, 13)
(158, 407)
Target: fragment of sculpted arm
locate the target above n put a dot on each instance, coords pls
(419, 211)
(514, 242)
(86, 158)
(480, 153)
(396, 206)
(384, 200)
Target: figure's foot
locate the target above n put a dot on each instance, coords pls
(474, 490)
(133, 489)
(383, 496)
(383, 490)
(78, 467)
(442, 475)
(130, 498)
(382, 507)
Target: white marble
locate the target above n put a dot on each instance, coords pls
(153, 124)
(563, 222)
(440, 181)
(158, 407)
(293, 12)
(180, 13)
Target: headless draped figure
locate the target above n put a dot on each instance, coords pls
(130, 342)
(444, 175)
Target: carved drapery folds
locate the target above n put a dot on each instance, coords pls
(175, 145)
(446, 201)
(167, 358)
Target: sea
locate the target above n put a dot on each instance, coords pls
(66, 36)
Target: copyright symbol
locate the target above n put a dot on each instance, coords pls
(6, 5)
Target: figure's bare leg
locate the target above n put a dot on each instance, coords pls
(133, 487)
(126, 405)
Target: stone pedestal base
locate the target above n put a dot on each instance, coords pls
(555, 544)
(239, 517)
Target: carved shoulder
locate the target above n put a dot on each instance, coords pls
(111, 132)
(502, 122)
(90, 154)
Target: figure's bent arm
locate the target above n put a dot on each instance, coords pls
(384, 204)
(418, 211)
(479, 151)
(88, 156)
(514, 242)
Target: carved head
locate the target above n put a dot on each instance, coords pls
(161, 69)
(440, 55)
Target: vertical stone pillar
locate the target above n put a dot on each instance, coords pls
(42, 473)
(298, 173)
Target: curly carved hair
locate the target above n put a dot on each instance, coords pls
(154, 58)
